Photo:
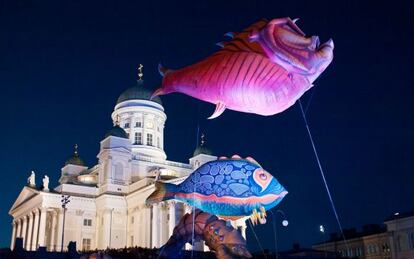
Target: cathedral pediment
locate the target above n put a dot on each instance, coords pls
(26, 194)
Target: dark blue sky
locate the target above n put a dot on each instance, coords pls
(62, 67)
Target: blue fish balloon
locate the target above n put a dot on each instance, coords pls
(229, 188)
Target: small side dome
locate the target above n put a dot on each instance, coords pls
(138, 92)
(75, 159)
(116, 131)
(202, 149)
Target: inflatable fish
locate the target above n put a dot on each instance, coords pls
(263, 70)
(224, 240)
(229, 188)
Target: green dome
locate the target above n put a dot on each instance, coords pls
(75, 159)
(116, 131)
(202, 150)
(138, 92)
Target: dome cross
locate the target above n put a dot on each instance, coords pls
(140, 73)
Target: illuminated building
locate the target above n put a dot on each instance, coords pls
(107, 201)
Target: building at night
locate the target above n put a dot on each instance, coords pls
(107, 201)
(400, 227)
(395, 240)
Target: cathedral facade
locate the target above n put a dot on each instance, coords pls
(106, 206)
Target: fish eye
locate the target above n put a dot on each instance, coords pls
(263, 176)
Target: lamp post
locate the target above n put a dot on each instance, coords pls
(65, 200)
(322, 230)
(285, 223)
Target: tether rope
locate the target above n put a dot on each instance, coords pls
(322, 172)
(257, 239)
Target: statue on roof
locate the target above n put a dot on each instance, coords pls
(46, 183)
(31, 180)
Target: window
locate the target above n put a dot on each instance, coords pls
(126, 125)
(149, 139)
(86, 244)
(412, 240)
(375, 248)
(158, 128)
(87, 222)
(138, 138)
(132, 220)
(138, 124)
(158, 142)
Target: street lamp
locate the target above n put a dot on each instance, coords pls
(322, 230)
(285, 223)
(65, 200)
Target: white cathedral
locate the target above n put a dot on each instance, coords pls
(107, 201)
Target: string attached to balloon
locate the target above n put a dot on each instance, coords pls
(322, 172)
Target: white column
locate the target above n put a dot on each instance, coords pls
(163, 224)
(35, 230)
(24, 231)
(19, 228)
(147, 226)
(14, 233)
(29, 233)
(52, 244)
(42, 227)
(59, 230)
(155, 225)
(107, 228)
(173, 220)
(187, 209)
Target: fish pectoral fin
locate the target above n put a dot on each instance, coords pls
(220, 108)
(254, 217)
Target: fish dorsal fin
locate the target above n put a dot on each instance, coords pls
(240, 41)
(163, 70)
(252, 160)
(220, 108)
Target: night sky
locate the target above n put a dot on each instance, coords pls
(62, 67)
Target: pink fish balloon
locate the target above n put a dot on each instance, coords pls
(263, 70)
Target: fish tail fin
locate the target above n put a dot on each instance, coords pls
(163, 192)
(163, 70)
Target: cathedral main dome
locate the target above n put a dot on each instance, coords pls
(138, 92)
